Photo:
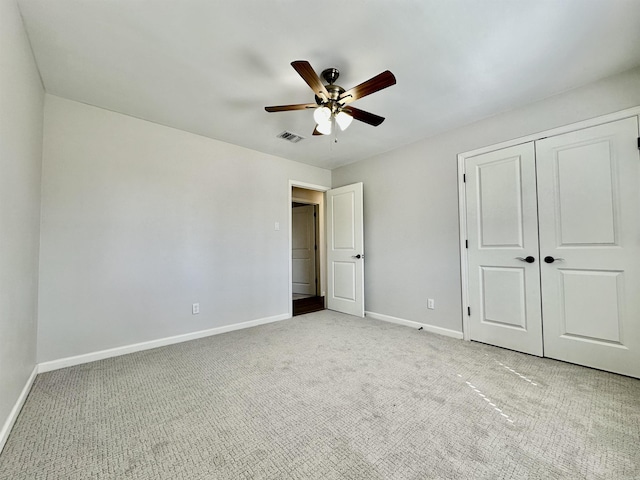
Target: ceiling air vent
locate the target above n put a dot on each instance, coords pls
(290, 137)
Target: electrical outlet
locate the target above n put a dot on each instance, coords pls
(431, 304)
(276, 226)
(195, 309)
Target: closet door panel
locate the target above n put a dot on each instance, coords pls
(588, 184)
(504, 289)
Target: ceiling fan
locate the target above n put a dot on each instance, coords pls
(332, 102)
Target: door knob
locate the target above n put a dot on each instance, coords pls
(529, 259)
(357, 256)
(549, 259)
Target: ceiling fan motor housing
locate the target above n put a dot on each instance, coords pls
(331, 75)
(334, 94)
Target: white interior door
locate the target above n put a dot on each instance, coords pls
(345, 250)
(589, 204)
(303, 246)
(504, 288)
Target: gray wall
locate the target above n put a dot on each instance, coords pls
(139, 221)
(21, 103)
(411, 201)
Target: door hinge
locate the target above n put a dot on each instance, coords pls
(464, 178)
(638, 143)
(469, 311)
(315, 247)
(314, 214)
(466, 244)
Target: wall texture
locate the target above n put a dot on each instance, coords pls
(139, 221)
(411, 201)
(21, 104)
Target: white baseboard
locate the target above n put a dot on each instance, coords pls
(15, 411)
(410, 323)
(161, 342)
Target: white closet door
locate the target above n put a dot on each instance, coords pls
(589, 215)
(504, 289)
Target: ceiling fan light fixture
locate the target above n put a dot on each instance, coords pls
(321, 115)
(343, 119)
(331, 99)
(324, 127)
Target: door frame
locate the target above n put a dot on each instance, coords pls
(462, 200)
(307, 186)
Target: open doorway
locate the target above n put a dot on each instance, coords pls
(307, 247)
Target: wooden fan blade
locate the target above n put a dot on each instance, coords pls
(377, 83)
(308, 74)
(316, 132)
(286, 108)
(366, 117)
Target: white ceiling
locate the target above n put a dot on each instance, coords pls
(211, 66)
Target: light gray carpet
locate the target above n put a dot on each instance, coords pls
(327, 396)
